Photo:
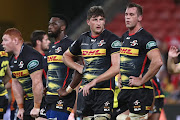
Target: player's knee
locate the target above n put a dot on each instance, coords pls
(102, 117)
(88, 118)
(122, 117)
(138, 117)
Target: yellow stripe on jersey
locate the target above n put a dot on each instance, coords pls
(126, 87)
(54, 58)
(3, 53)
(129, 51)
(21, 73)
(161, 96)
(93, 52)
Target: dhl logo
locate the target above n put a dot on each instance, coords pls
(21, 73)
(129, 51)
(3, 53)
(54, 58)
(93, 52)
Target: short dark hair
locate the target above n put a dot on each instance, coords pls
(37, 35)
(95, 11)
(61, 17)
(139, 7)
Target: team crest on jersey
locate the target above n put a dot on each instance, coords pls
(59, 49)
(150, 44)
(32, 64)
(106, 106)
(134, 43)
(21, 64)
(101, 43)
(116, 44)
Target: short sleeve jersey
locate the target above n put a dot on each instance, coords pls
(158, 91)
(28, 61)
(133, 56)
(3, 67)
(97, 55)
(45, 69)
(59, 74)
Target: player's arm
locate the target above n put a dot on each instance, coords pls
(37, 88)
(19, 96)
(111, 72)
(69, 61)
(156, 62)
(171, 66)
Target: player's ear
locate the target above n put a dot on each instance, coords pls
(87, 21)
(63, 27)
(140, 18)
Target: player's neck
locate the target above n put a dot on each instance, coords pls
(135, 29)
(18, 49)
(60, 36)
(39, 50)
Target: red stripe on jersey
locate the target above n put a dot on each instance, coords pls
(66, 77)
(57, 42)
(131, 34)
(142, 70)
(44, 73)
(159, 92)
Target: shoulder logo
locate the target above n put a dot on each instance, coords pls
(32, 64)
(116, 44)
(150, 44)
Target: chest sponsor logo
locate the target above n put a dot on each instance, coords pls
(21, 64)
(93, 52)
(59, 49)
(32, 64)
(3, 53)
(150, 44)
(54, 58)
(21, 73)
(129, 51)
(116, 44)
(101, 43)
(134, 43)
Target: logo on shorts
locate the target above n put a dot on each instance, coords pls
(32, 64)
(134, 43)
(59, 104)
(106, 106)
(21, 64)
(137, 107)
(42, 112)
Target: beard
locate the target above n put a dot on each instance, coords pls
(54, 34)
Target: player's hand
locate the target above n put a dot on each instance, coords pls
(173, 52)
(62, 91)
(44, 91)
(135, 81)
(35, 112)
(87, 87)
(20, 113)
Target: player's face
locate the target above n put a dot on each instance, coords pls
(8, 43)
(54, 27)
(131, 17)
(45, 43)
(96, 25)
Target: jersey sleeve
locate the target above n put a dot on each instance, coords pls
(35, 63)
(114, 44)
(149, 43)
(75, 47)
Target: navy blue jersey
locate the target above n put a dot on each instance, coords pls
(28, 61)
(97, 55)
(133, 56)
(59, 74)
(3, 67)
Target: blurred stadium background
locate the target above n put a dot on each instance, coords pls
(161, 19)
